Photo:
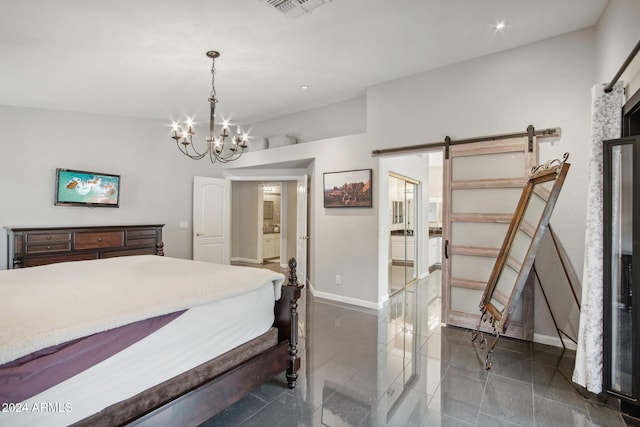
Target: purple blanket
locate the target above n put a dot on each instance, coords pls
(31, 374)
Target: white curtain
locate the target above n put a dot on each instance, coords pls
(605, 124)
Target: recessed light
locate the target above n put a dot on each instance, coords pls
(304, 87)
(499, 26)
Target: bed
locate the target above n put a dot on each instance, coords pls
(201, 345)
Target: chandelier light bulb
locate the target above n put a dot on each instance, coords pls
(499, 26)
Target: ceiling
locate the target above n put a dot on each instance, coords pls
(146, 58)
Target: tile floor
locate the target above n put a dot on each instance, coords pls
(400, 367)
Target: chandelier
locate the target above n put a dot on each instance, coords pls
(217, 147)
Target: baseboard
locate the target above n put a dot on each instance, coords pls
(345, 300)
(554, 341)
(247, 260)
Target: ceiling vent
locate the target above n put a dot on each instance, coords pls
(294, 8)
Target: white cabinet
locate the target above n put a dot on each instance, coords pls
(270, 245)
(435, 250)
(399, 248)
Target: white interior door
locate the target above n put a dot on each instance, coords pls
(211, 219)
(301, 229)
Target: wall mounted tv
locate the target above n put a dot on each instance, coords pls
(82, 188)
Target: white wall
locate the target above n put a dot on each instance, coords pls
(156, 180)
(244, 221)
(617, 33)
(435, 175)
(343, 118)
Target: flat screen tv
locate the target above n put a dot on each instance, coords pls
(82, 188)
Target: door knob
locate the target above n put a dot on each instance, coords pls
(198, 234)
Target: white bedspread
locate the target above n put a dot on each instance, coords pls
(200, 334)
(49, 305)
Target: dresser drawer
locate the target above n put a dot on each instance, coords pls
(145, 237)
(48, 237)
(139, 234)
(95, 240)
(48, 247)
(149, 241)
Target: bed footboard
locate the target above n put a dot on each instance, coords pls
(286, 314)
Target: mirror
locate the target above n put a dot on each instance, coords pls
(517, 254)
(267, 212)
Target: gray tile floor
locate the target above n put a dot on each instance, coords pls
(400, 367)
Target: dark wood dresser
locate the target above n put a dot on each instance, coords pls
(32, 246)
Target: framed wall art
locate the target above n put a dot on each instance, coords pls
(347, 189)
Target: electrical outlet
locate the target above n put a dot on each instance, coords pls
(338, 279)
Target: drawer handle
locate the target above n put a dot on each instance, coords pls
(99, 239)
(48, 237)
(48, 247)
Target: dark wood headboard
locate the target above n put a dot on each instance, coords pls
(32, 246)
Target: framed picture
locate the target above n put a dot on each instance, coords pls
(348, 189)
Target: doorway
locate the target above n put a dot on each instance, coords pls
(269, 234)
(247, 220)
(403, 194)
(263, 222)
(435, 210)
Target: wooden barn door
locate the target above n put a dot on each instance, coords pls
(482, 184)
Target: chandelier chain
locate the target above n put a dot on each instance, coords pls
(213, 78)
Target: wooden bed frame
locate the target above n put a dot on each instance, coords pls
(200, 393)
(193, 397)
